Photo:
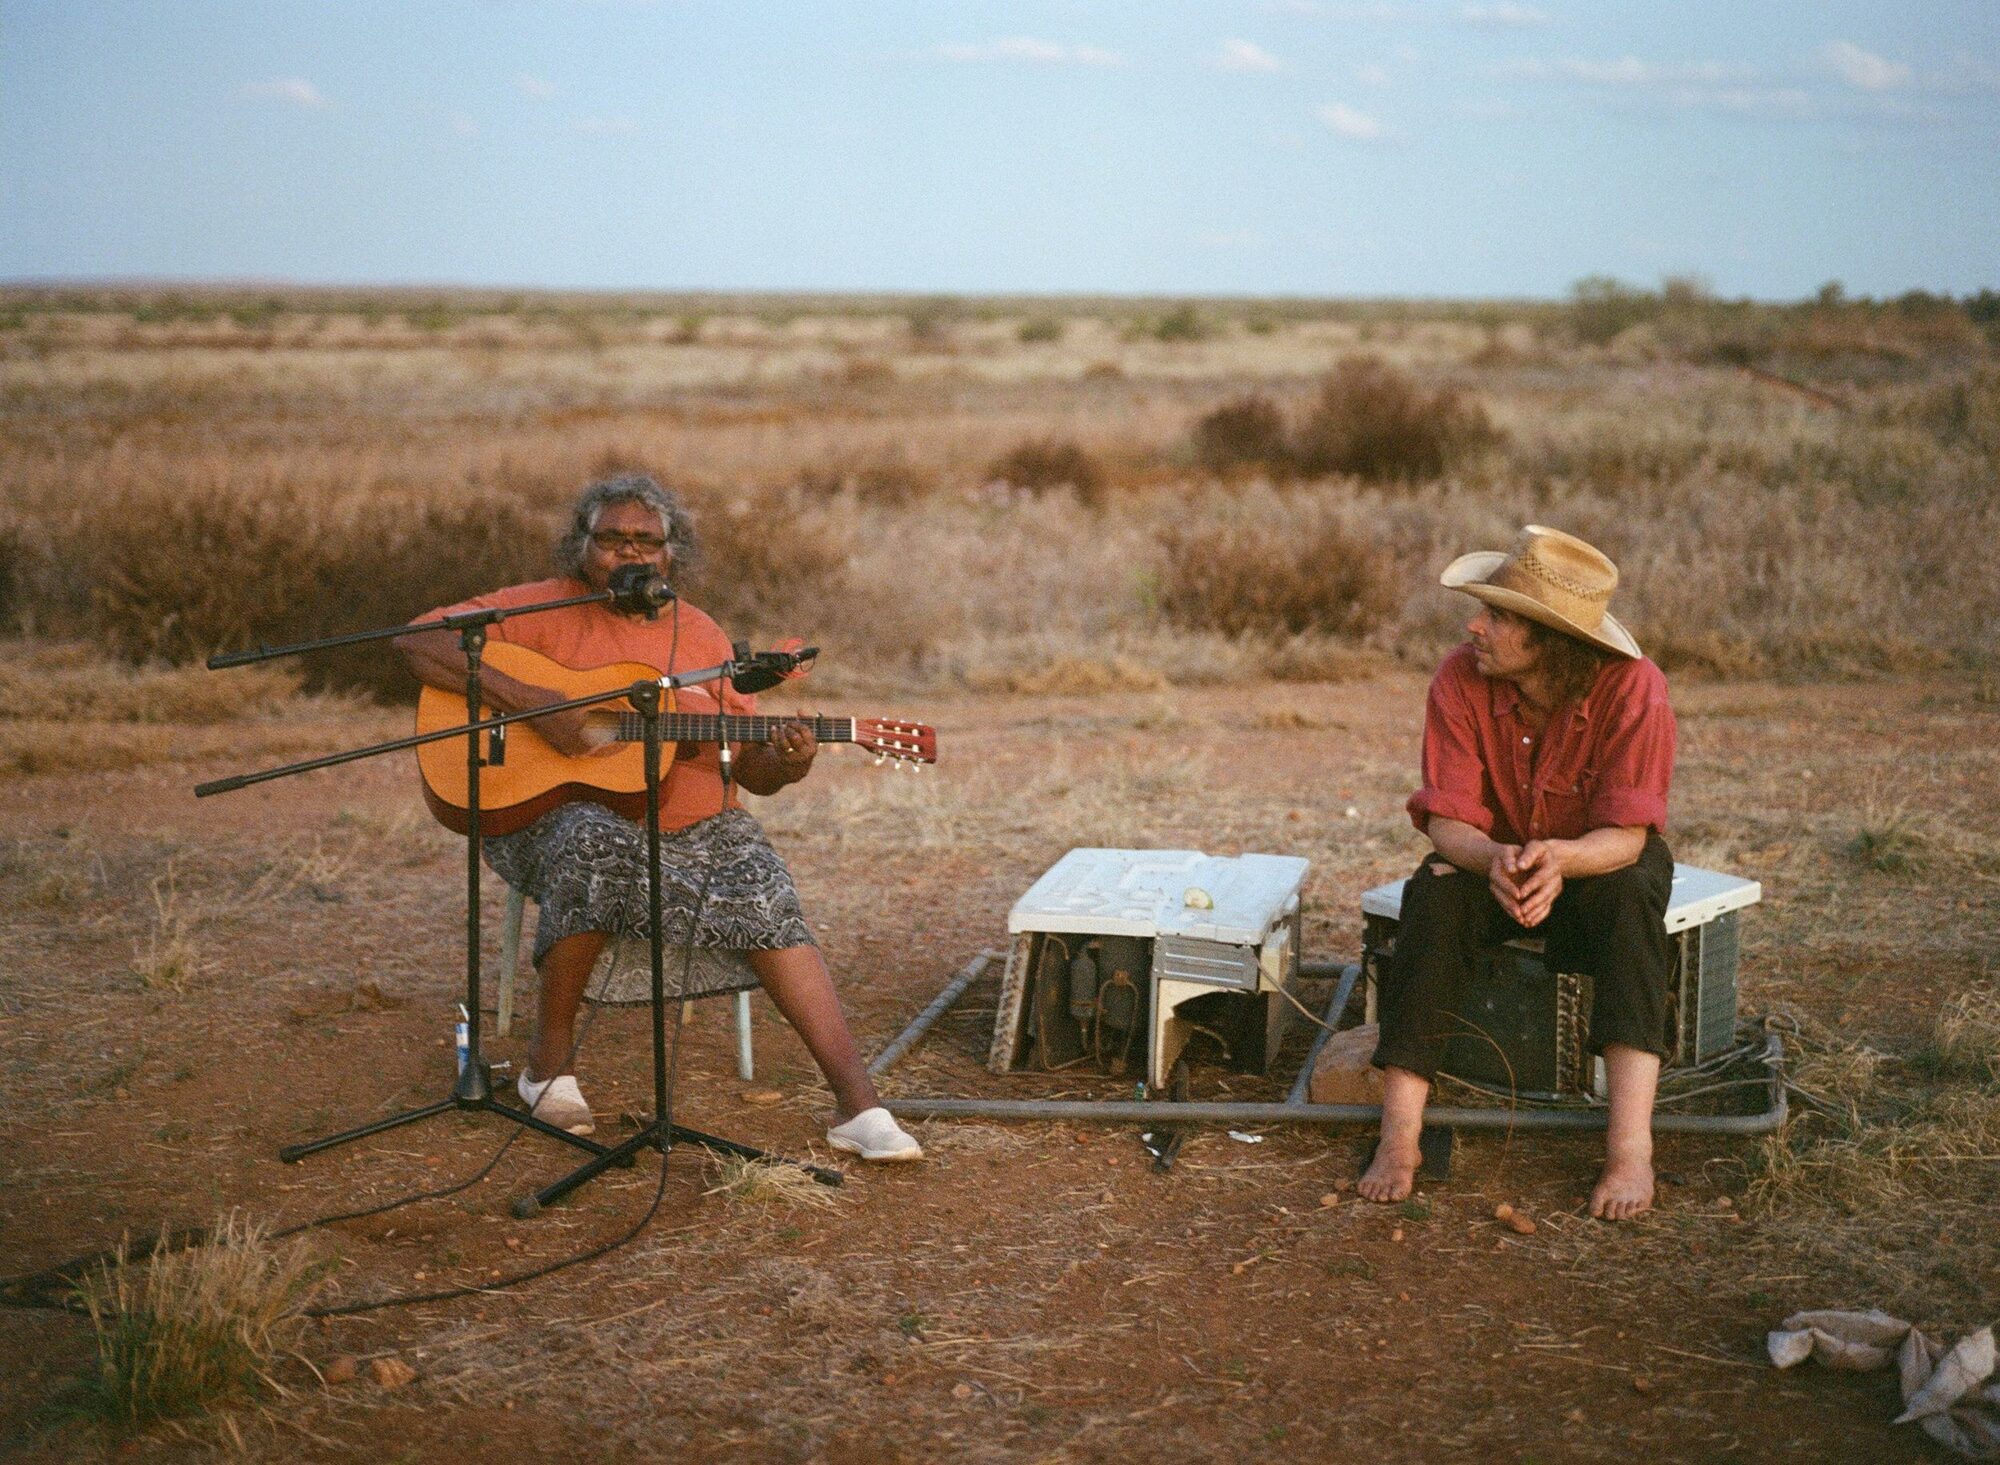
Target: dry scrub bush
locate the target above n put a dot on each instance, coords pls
(768, 562)
(1043, 464)
(176, 578)
(188, 1330)
(1376, 422)
(1317, 577)
(1249, 431)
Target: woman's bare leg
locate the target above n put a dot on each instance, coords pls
(797, 979)
(565, 971)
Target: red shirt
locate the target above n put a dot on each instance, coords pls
(1600, 762)
(585, 636)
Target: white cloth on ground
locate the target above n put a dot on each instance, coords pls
(1950, 1393)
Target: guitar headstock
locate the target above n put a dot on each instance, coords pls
(905, 742)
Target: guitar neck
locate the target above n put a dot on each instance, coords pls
(709, 727)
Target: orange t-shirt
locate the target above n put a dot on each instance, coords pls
(585, 636)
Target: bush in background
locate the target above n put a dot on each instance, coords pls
(1377, 422)
(1316, 577)
(1042, 464)
(1249, 431)
(1183, 323)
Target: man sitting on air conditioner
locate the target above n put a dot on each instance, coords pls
(1548, 749)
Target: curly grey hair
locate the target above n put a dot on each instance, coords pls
(627, 488)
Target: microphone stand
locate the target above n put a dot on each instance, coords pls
(662, 1132)
(473, 1091)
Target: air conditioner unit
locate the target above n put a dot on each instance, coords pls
(1120, 956)
(1528, 1027)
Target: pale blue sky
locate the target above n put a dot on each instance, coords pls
(1317, 147)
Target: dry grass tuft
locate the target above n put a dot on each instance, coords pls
(1889, 844)
(749, 1182)
(170, 959)
(1967, 1033)
(186, 1331)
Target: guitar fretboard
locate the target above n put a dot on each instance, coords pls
(709, 727)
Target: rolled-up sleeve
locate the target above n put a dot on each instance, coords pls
(1454, 773)
(1635, 756)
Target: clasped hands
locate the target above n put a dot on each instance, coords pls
(1526, 879)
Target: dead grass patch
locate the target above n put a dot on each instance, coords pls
(748, 1182)
(71, 682)
(1071, 676)
(183, 1332)
(1967, 1033)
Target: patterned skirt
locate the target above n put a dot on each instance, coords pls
(723, 890)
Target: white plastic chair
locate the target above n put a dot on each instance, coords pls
(510, 963)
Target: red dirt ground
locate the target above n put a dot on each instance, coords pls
(1031, 1291)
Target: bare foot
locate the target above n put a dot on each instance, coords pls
(1393, 1173)
(1625, 1189)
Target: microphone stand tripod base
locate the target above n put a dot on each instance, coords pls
(661, 1133)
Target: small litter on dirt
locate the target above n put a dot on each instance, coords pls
(764, 1098)
(1516, 1221)
(391, 1373)
(1243, 1137)
(343, 1370)
(1951, 1392)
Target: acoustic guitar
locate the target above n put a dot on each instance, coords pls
(532, 777)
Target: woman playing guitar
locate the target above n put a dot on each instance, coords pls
(585, 865)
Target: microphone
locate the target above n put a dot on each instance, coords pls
(759, 671)
(638, 588)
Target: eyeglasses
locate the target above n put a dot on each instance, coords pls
(611, 542)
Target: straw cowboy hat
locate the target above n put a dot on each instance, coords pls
(1550, 577)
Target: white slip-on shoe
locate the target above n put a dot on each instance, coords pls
(557, 1101)
(874, 1134)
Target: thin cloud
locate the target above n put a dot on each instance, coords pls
(1373, 74)
(293, 90)
(462, 125)
(1715, 86)
(1864, 70)
(1237, 55)
(534, 86)
(1351, 123)
(1626, 71)
(1029, 49)
(1504, 16)
(1334, 9)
